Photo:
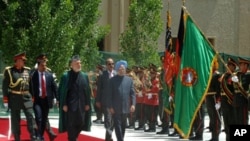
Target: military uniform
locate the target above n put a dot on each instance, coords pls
(151, 101)
(16, 93)
(240, 100)
(227, 97)
(213, 97)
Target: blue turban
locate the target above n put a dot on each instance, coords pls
(119, 63)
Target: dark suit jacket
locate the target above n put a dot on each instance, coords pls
(122, 94)
(51, 87)
(103, 88)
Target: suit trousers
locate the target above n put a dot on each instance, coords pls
(108, 123)
(120, 122)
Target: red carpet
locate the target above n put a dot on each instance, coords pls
(4, 126)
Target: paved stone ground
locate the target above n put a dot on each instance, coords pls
(98, 130)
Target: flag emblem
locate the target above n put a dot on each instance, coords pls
(188, 76)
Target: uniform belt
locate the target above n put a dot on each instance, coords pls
(19, 92)
(211, 93)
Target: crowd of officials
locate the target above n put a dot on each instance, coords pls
(124, 97)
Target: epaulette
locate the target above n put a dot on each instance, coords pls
(28, 68)
(8, 67)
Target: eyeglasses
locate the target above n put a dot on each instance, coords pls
(110, 64)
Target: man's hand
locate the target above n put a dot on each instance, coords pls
(98, 104)
(132, 108)
(112, 111)
(65, 108)
(87, 107)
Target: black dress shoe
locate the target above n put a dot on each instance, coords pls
(139, 128)
(149, 130)
(52, 137)
(196, 138)
(162, 132)
(173, 134)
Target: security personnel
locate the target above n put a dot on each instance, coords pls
(213, 103)
(242, 83)
(227, 96)
(44, 91)
(16, 93)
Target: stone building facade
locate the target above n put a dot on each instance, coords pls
(225, 22)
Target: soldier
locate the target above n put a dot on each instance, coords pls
(227, 96)
(213, 102)
(240, 100)
(139, 90)
(163, 100)
(152, 100)
(16, 93)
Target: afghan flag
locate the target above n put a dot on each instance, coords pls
(194, 75)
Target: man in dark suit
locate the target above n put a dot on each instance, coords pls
(44, 90)
(121, 100)
(102, 95)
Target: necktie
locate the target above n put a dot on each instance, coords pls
(43, 86)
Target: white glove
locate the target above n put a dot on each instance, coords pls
(217, 105)
(170, 98)
(140, 94)
(54, 101)
(5, 105)
(235, 79)
(149, 95)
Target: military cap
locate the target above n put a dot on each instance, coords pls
(231, 61)
(243, 60)
(42, 58)
(100, 67)
(20, 56)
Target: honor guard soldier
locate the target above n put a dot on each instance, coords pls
(152, 100)
(242, 83)
(16, 93)
(227, 96)
(213, 103)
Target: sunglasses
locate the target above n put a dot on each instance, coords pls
(110, 64)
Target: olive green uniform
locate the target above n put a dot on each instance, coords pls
(16, 92)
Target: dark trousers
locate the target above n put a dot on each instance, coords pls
(240, 104)
(120, 125)
(41, 110)
(198, 124)
(227, 110)
(139, 114)
(214, 117)
(98, 112)
(151, 112)
(108, 123)
(75, 124)
(15, 121)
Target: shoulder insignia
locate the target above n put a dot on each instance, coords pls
(8, 67)
(28, 68)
